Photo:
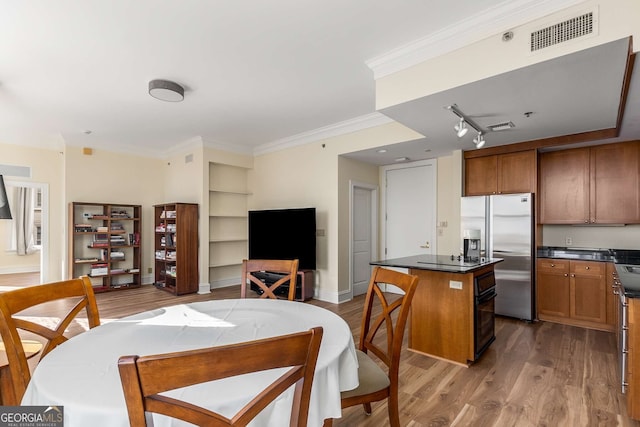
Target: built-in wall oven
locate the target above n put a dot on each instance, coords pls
(484, 312)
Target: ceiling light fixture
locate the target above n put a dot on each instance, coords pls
(166, 90)
(461, 127)
(479, 140)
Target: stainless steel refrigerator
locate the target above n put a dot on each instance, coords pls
(506, 231)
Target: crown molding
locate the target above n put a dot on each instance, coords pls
(348, 126)
(502, 17)
(226, 146)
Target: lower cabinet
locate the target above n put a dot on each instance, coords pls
(574, 293)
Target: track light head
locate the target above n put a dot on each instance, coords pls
(461, 128)
(479, 140)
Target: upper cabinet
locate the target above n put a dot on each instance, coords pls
(501, 174)
(596, 185)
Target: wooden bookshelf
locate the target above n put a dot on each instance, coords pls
(176, 247)
(104, 244)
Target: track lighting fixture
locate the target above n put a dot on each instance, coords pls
(461, 128)
(479, 140)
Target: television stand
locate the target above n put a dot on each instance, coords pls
(304, 284)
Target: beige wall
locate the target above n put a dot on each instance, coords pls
(449, 193)
(621, 237)
(108, 177)
(492, 56)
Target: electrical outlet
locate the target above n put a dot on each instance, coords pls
(568, 241)
(149, 270)
(454, 284)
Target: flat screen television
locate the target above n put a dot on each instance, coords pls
(284, 234)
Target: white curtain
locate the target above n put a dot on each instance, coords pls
(23, 216)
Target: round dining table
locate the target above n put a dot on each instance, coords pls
(81, 375)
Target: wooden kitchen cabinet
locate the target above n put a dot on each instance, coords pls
(501, 174)
(594, 185)
(574, 292)
(633, 360)
(553, 288)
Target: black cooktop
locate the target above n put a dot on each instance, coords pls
(626, 256)
(454, 260)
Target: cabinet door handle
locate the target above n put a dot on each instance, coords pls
(573, 275)
(586, 268)
(553, 265)
(565, 274)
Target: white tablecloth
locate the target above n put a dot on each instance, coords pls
(82, 374)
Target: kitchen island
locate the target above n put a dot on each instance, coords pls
(452, 314)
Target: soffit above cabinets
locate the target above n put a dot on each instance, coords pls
(571, 94)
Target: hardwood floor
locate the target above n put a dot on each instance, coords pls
(539, 374)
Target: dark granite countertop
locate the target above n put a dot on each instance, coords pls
(583, 254)
(445, 263)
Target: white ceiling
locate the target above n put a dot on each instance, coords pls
(255, 72)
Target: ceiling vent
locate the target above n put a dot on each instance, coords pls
(501, 126)
(567, 30)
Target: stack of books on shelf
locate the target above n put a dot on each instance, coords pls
(159, 254)
(100, 241)
(168, 214)
(160, 228)
(133, 270)
(83, 228)
(88, 259)
(99, 269)
(116, 227)
(171, 255)
(117, 240)
(167, 241)
(171, 228)
(117, 255)
(134, 238)
(102, 229)
(118, 271)
(115, 213)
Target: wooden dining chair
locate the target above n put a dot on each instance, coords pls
(144, 378)
(289, 268)
(76, 293)
(374, 383)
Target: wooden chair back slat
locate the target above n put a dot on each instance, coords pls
(144, 378)
(13, 302)
(287, 267)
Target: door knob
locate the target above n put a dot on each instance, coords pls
(427, 245)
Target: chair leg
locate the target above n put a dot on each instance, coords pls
(394, 413)
(367, 408)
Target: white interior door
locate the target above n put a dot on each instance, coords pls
(410, 207)
(363, 208)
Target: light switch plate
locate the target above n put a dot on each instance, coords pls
(454, 284)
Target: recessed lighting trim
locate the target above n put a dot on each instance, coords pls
(381, 151)
(401, 159)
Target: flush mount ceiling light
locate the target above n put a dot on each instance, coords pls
(479, 140)
(461, 127)
(166, 90)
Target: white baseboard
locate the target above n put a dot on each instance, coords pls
(204, 288)
(223, 283)
(20, 269)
